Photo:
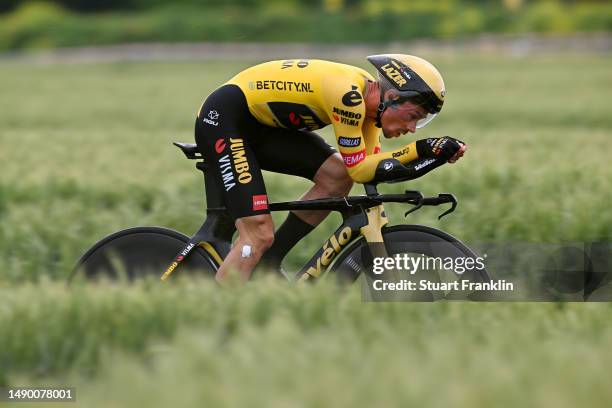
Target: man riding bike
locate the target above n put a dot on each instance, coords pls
(263, 118)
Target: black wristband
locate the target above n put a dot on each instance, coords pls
(423, 147)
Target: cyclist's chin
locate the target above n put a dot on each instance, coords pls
(390, 134)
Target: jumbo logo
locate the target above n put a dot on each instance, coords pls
(347, 114)
(241, 165)
(332, 247)
(394, 73)
(346, 117)
(170, 269)
(178, 259)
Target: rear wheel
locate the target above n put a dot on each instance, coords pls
(140, 252)
(416, 241)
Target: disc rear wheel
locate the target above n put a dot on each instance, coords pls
(139, 252)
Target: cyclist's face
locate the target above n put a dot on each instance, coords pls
(400, 119)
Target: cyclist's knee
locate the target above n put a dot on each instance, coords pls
(256, 232)
(333, 177)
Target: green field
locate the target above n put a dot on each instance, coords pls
(86, 150)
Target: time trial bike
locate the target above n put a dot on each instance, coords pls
(348, 253)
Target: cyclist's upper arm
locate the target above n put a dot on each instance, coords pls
(346, 108)
(358, 142)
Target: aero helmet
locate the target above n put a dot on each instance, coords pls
(416, 81)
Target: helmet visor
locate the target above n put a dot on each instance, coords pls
(428, 100)
(421, 123)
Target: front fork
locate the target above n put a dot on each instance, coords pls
(372, 231)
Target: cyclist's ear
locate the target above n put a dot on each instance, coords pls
(391, 95)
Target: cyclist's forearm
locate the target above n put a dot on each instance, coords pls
(408, 162)
(365, 170)
(404, 154)
(392, 169)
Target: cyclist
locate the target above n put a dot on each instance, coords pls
(264, 117)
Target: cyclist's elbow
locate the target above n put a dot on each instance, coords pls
(360, 174)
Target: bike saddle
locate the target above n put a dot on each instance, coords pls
(190, 150)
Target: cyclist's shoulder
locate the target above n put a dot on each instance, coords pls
(338, 71)
(305, 67)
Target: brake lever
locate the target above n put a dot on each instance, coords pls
(418, 204)
(453, 202)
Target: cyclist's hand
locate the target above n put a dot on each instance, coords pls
(445, 148)
(459, 154)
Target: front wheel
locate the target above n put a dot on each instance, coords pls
(413, 241)
(140, 252)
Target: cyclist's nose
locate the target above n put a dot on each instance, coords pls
(411, 126)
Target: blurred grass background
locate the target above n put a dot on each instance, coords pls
(27, 24)
(270, 345)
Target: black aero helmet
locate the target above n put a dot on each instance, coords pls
(414, 79)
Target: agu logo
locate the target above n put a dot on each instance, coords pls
(213, 115)
(260, 202)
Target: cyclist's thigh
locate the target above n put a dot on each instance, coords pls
(223, 133)
(299, 153)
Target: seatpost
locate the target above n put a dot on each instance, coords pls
(213, 196)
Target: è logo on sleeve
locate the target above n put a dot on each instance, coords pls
(352, 97)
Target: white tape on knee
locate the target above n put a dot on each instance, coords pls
(246, 251)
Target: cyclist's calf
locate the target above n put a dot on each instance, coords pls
(256, 235)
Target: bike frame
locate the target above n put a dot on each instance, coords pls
(362, 216)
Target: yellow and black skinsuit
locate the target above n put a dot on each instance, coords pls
(264, 116)
(319, 93)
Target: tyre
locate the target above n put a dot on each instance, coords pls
(417, 241)
(139, 252)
